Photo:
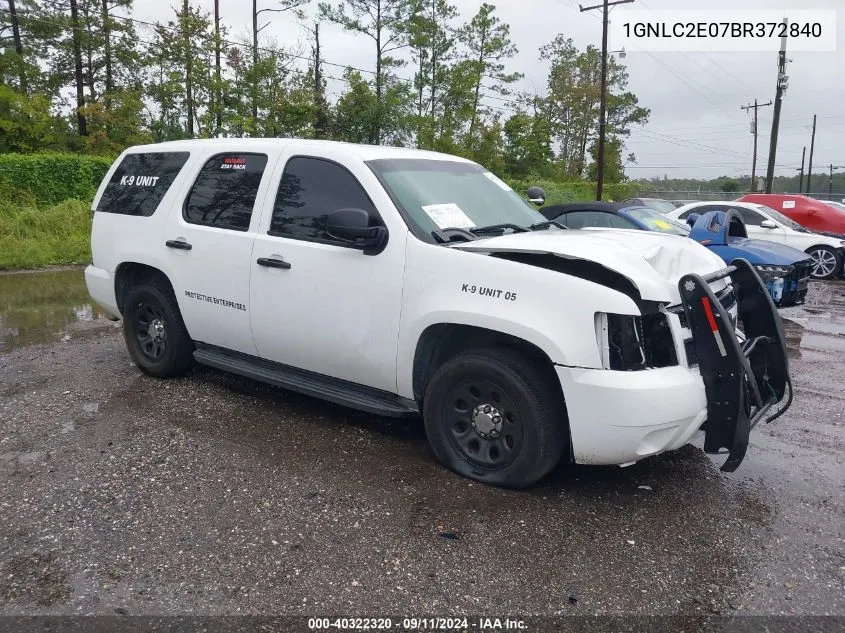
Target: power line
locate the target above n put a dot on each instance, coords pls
(210, 39)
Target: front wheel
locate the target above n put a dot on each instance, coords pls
(826, 262)
(496, 416)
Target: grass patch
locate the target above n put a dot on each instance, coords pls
(32, 237)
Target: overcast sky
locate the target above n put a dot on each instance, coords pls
(696, 127)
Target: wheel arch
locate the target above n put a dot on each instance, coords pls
(130, 274)
(441, 341)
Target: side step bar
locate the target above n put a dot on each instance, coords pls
(306, 382)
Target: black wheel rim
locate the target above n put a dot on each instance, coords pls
(150, 330)
(490, 439)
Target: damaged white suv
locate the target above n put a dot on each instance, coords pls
(403, 282)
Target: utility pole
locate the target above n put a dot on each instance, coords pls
(812, 143)
(801, 177)
(605, 7)
(783, 81)
(189, 85)
(77, 68)
(254, 66)
(218, 97)
(16, 35)
(830, 182)
(755, 107)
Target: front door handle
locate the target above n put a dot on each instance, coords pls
(183, 246)
(272, 262)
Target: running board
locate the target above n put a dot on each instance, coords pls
(305, 382)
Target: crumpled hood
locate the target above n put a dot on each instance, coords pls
(653, 262)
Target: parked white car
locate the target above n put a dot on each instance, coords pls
(764, 223)
(404, 282)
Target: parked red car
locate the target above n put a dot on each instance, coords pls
(813, 214)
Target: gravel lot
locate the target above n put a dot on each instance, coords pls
(213, 494)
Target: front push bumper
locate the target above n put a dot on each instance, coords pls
(742, 380)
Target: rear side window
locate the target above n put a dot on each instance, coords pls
(310, 189)
(140, 182)
(225, 190)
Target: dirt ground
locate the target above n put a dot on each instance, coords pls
(214, 494)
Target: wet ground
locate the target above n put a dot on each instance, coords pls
(213, 494)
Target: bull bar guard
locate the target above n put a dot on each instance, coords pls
(742, 380)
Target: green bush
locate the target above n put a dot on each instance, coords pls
(48, 179)
(31, 237)
(557, 192)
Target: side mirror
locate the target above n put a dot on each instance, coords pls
(536, 195)
(768, 224)
(353, 227)
(692, 218)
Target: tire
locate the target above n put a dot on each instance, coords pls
(514, 444)
(168, 352)
(826, 262)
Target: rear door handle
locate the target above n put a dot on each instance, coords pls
(272, 262)
(183, 246)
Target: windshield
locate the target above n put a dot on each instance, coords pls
(780, 217)
(664, 206)
(838, 206)
(656, 221)
(442, 194)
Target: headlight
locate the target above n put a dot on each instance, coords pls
(770, 273)
(628, 343)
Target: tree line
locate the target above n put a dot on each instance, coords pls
(88, 76)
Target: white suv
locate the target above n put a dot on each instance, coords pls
(403, 282)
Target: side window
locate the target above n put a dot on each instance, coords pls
(578, 219)
(618, 222)
(749, 216)
(225, 190)
(586, 219)
(310, 189)
(139, 183)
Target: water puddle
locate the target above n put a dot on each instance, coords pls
(40, 307)
(816, 329)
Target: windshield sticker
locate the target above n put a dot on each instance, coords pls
(502, 184)
(789, 204)
(448, 216)
(663, 224)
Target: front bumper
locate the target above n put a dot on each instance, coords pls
(618, 417)
(742, 381)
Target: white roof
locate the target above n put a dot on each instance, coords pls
(361, 151)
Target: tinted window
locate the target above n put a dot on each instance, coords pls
(310, 189)
(224, 192)
(586, 219)
(140, 182)
(749, 216)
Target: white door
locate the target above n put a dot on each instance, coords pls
(208, 248)
(327, 308)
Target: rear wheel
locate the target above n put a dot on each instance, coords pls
(826, 262)
(154, 331)
(496, 416)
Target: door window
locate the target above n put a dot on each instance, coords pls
(311, 189)
(586, 219)
(225, 190)
(749, 216)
